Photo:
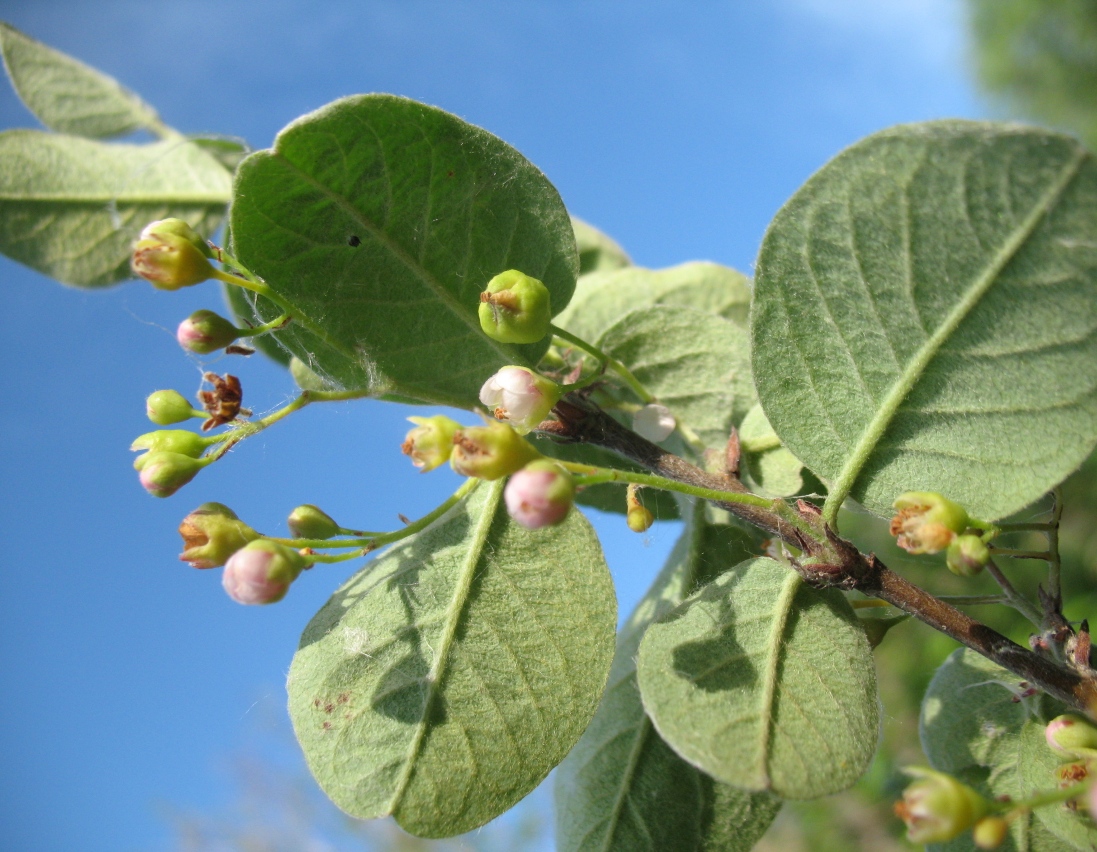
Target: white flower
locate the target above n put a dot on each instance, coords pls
(654, 422)
(519, 396)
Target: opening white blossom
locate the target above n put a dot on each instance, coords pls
(519, 396)
(654, 422)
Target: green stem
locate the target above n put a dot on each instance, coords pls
(367, 544)
(1009, 528)
(1013, 597)
(273, 325)
(606, 360)
(1021, 554)
(759, 445)
(1042, 800)
(591, 475)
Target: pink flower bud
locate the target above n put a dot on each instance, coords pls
(540, 495)
(205, 331)
(163, 473)
(261, 572)
(520, 396)
(967, 555)
(654, 422)
(927, 522)
(1072, 735)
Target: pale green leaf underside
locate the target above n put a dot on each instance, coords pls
(602, 298)
(694, 363)
(971, 727)
(68, 96)
(925, 316)
(622, 789)
(72, 207)
(444, 681)
(597, 251)
(764, 683)
(382, 220)
(773, 471)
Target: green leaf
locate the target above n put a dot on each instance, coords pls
(597, 252)
(602, 298)
(695, 363)
(772, 471)
(764, 683)
(972, 726)
(621, 787)
(67, 95)
(72, 207)
(925, 316)
(443, 681)
(381, 220)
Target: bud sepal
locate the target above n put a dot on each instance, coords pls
(211, 534)
(170, 440)
(490, 452)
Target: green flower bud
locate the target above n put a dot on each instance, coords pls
(1072, 736)
(927, 522)
(170, 254)
(261, 572)
(515, 308)
(638, 516)
(172, 441)
(937, 807)
(430, 443)
(211, 534)
(308, 521)
(967, 555)
(204, 332)
(990, 832)
(165, 407)
(490, 452)
(164, 473)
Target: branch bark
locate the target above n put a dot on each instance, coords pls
(829, 560)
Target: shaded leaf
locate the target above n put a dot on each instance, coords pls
(773, 471)
(602, 298)
(443, 681)
(597, 252)
(621, 787)
(72, 207)
(925, 316)
(381, 220)
(694, 363)
(68, 96)
(764, 683)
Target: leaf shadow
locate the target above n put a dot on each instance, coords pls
(718, 663)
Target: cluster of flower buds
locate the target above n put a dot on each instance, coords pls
(520, 396)
(170, 458)
(204, 332)
(926, 522)
(171, 254)
(540, 494)
(936, 807)
(515, 308)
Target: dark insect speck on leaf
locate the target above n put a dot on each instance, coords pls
(353, 241)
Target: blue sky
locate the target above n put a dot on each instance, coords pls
(679, 129)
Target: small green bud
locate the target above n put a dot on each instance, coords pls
(261, 572)
(937, 807)
(515, 308)
(927, 522)
(170, 254)
(520, 396)
(430, 443)
(205, 331)
(164, 473)
(490, 452)
(967, 555)
(308, 521)
(165, 407)
(171, 440)
(211, 534)
(990, 832)
(1072, 735)
(638, 516)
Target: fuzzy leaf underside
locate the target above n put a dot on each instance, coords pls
(764, 683)
(621, 787)
(72, 207)
(597, 251)
(443, 681)
(775, 472)
(381, 220)
(68, 96)
(925, 316)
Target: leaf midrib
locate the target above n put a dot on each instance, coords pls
(456, 607)
(909, 377)
(782, 606)
(471, 320)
